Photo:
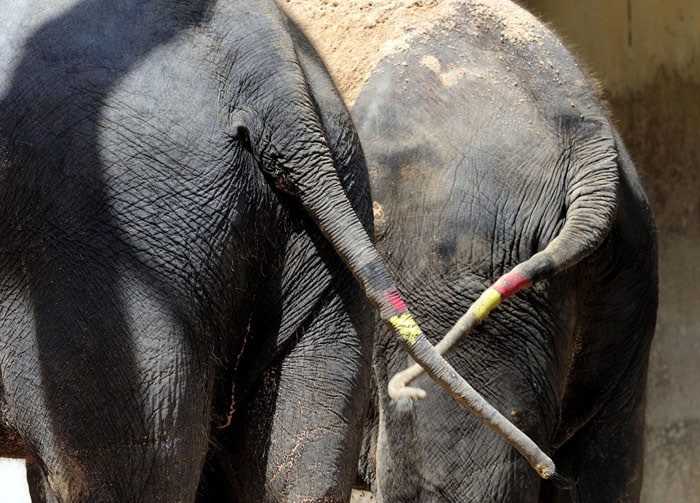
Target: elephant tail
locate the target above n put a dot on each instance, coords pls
(294, 155)
(591, 207)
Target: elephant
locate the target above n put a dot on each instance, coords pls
(187, 279)
(497, 173)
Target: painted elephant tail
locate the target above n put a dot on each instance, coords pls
(294, 155)
(326, 202)
(312, 177)
(591, 206)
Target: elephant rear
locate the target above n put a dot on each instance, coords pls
(493, 157)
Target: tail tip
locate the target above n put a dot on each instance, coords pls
(562, 482)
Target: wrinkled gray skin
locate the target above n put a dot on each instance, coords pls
(476, 166)
(180, 186)
(157, 267)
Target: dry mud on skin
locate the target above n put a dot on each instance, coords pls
(361, 497)
(352, 36)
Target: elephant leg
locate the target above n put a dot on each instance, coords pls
(321, 401)
(304, 427)
(433, 451)
(605, 457)
(39, 490)
(111, 392)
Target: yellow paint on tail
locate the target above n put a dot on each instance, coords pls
(487, 302)
(407, 327)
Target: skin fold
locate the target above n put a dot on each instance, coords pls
(487, 146)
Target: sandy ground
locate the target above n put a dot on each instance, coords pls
(352, 36)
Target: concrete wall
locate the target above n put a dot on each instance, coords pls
(646, 53)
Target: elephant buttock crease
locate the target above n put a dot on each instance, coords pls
(232, 407)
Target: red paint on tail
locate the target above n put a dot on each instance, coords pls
(511, 283)
(396, 301)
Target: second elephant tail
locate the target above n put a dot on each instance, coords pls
(591, 207)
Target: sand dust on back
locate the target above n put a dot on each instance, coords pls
(352, 36)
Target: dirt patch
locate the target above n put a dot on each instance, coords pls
(354, 35)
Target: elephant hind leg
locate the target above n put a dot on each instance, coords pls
(39, 490)
(303, 426)
(604, 458)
